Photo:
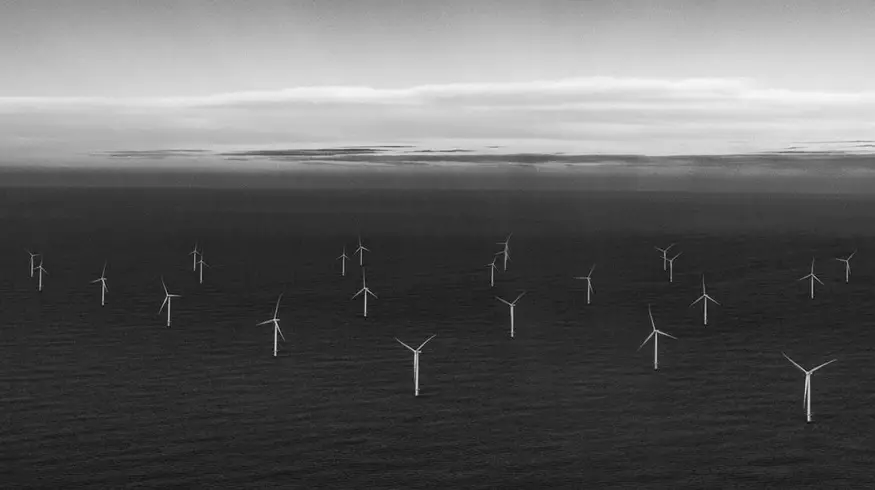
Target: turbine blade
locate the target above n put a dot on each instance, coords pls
(405, 345)
(660, 332)
(264, 322)
(647, 339)
(426, 341)
(699, 299)
(371, 293)
(162, 305)
(503, 301)
(652, 323)
(358, 293)
(277, 309)
(818, 280)
(520, 296)
(279, 331)
(824, 364)
(794, 363)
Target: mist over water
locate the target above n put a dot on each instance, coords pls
(109, 397)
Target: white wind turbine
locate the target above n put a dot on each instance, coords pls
(102, 281)
(492, 269)
(366, 292)
(32, 256)
(847, 262)
(704, 298)
(41, 272)
(813, 278)
(343, 258)
(671, 267)
(276, 325)
(201, 263)
(506, 250)
(655, 335)
(664, 255)
(512, 305)
(416, 353)
(588, 279)
(167, 299)
(361, 252)
(194, 253)
(806, 400)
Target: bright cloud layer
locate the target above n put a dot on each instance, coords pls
(590, 115)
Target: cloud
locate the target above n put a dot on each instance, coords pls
(581, 115)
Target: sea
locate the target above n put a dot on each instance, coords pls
(108, 396)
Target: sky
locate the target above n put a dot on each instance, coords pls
(88, 78)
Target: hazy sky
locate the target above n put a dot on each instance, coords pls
(653, 77)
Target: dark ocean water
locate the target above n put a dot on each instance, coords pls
(110, 398)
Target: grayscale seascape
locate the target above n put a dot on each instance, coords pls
(110, 398)
(451, 244)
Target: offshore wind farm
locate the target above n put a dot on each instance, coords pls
(470, 161)
(118, 385)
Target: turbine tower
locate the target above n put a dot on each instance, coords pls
(416, 353)
(588, 279)
(704, 298)
(813, 278)
(655, 335)
(276, 325)
(512, 306)
(806, 400)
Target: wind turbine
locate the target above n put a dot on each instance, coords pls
(102, 281)
(416, 353)
(671, 267)
(343, 258)
(366, 292)
(506, 250)
(588, 279)
(194, 253)
(655, 335)
(32, 255)
(201, 263)
(276, 324)
(361, 252)
(41, 272)
(512, 305)
(704, 298)
(847, 262)
(492, 269)
(806, 399)
(664, 256)
(167, 298)
(813, 278)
